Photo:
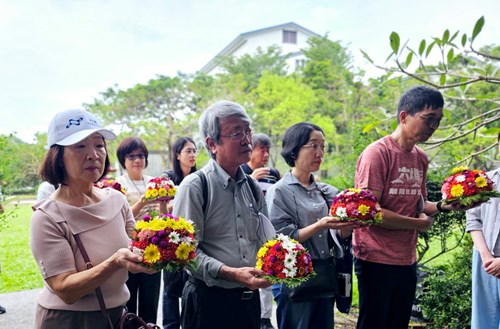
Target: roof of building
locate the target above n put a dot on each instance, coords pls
(241, 39)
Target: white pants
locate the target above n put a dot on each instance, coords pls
(266, 303)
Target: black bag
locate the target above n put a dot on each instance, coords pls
(174, 282)
(132, 321)
(343, 299)
(323, 285)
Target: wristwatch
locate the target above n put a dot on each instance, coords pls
(441, 209)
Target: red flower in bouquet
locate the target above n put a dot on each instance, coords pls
(359, 205)
(110, 182)
(165, 241)
(160, 189)
(468, 187)
(285, 261)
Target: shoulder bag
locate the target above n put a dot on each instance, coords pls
(128, 320)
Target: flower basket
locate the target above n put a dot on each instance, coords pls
(165, 241)
(468, 187)
(110, 182)
(285, 261)
(358, 205)
(160, 189)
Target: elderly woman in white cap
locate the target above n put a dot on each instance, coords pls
(100, 218)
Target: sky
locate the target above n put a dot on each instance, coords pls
(59, 54)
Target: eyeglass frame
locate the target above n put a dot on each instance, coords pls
(133, 157)
(234, 136)
(430, 121)
(316, 146)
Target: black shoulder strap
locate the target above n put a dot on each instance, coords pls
(204, 188)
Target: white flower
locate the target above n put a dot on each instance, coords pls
(174, 237)
(460, 178)
(137, 251)
(290, 261)
(187, 240)
(341, 212)
(444, 196)
(290, 273)
(288, 245)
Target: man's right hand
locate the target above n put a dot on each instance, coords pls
(426, 222)
(246, 276)
(260, 173)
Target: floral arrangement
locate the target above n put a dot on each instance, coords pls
(359, 205)
(110, 182)
(164, 241)
(160, 189)
(468, 187)
(285, 261)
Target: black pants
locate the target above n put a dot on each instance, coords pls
(213, 307)
(145, 290)
(386, 294)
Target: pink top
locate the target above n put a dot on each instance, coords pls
(400, 176)
(102, 228)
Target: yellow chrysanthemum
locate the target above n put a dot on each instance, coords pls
(151, 254)
(259, 264)
(457, 191)
(481, 182)
(459, 169)
(157, 224)
(162, 191)
(140, 225)
(378, 216)
(363, 209)
(182, 251)
(171, 192)
(262, 251)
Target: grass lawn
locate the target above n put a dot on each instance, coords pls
(19, 270)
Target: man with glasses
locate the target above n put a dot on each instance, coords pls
(223, 290)
(395, 170)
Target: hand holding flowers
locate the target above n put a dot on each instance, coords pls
(160, 189)
(467, 188)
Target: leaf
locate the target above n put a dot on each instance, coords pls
(429, 48)
(447, 114)
(446, 36)
(442, 79)
(394, 40)
(464, 39)
(370, 126)
(450, 55)
(453, 37)
(409, 58)
(365, 55)
(479, 71)
(421, 48)
(478, 27)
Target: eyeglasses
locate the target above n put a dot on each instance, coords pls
(430, 121)
(189, 151)
(132, 157)
(315, 147)
(239, 135)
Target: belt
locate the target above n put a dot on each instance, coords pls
(243, 293)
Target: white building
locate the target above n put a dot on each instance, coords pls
(290, 37)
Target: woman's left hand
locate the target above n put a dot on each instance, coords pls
(492, 267)
(125, 258)
(335, 223)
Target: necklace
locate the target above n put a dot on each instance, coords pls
(132, 183)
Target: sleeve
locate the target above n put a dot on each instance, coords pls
(281, 214)
(188, 203)
(50, 246)
(371, 169)
(473, 219)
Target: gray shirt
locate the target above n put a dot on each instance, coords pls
(293, 206)
(486, 218)
(228, 230)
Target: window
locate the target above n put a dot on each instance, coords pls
(289, 37)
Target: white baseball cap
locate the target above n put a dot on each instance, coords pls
(71, 126)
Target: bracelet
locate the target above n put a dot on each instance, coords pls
(441, 209)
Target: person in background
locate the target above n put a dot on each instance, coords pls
(483, 224)
(102, 219)
(299, 207)
(45, 190)
(266, 176)
(132, 154)
(223, 291)
(184, 163)
(394, 168)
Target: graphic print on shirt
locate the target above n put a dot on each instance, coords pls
(408, 182)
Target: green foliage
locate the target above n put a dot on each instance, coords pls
(447, 298)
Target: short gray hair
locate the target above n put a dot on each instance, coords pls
(261, 140)
(209, 120)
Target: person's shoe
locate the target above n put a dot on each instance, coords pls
(2, 309)
(266, 324)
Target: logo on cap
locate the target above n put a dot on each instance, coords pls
(75, 122)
